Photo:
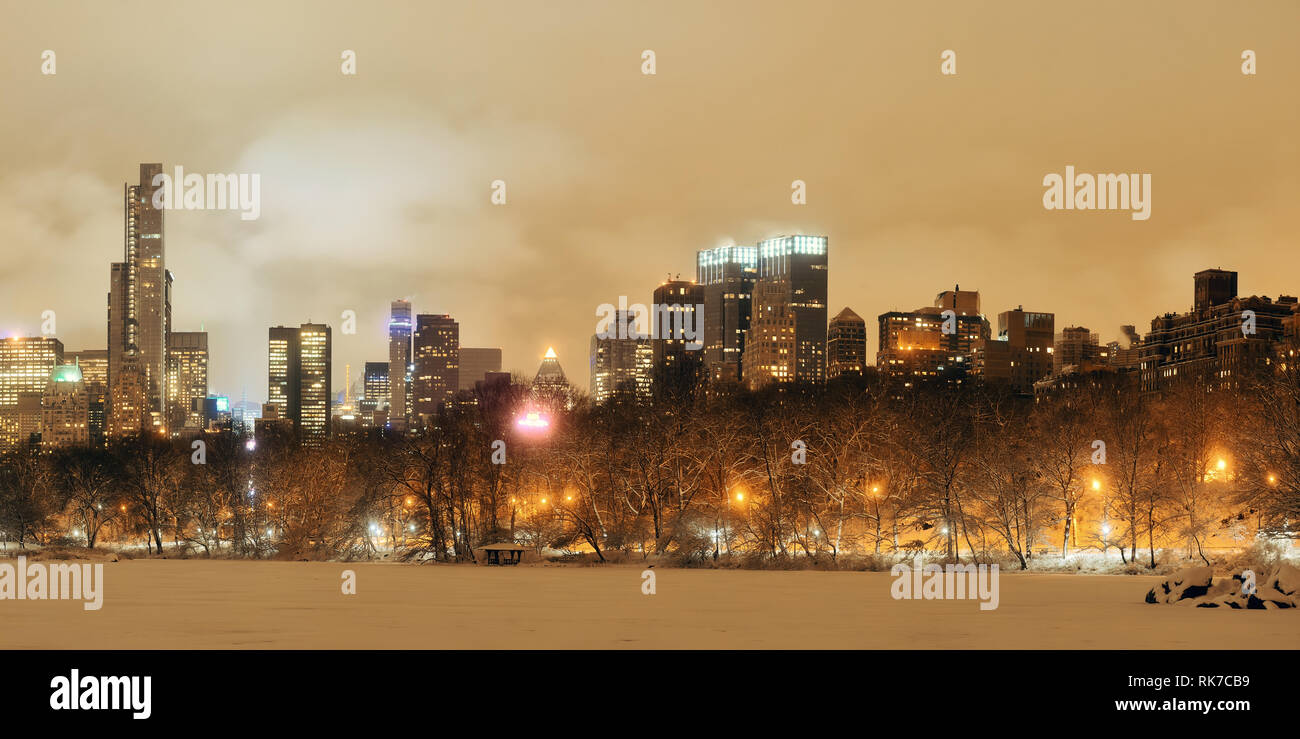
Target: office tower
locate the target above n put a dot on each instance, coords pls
(25, 367)
(1021, 354)
(187, 379)
(622, 360)
(399, 362)
(313, 421)
(476, 363)
(793, 268)
(1214, 340)
(283, 376)
(727, 275)
(770, 343)
(140, 297)
(677, 335)
(298, 378)
(436, 375)
(934, 342)
(846, 344)
(94, 373)
(65, 409)
(374, 392)
(550, 386)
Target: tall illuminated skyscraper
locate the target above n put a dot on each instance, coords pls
(727, 275)
(794, 271)
(314, 384)
(140, 297)
(399, 362)
(436, 376)
(790, 297)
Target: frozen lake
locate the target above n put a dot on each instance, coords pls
(151, 604)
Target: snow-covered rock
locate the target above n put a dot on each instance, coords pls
(1192, 582)
(1279, 587)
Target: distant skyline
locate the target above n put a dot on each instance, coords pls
(376, 187)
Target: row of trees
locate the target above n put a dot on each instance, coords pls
(859, 467)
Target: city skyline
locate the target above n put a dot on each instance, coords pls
(918, 185)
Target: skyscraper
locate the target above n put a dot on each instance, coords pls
(727, 275)
(846, 344)
(622, 360)
(26, 364)
(399, 362)
(314, 396)
(476, 363)
(140, 297)
(770, 342)
(65, 409)
(794, 270)
(550, 387)
(298, 378)
(436, 375)
(375, 393)
(677, 331)
(187, 379)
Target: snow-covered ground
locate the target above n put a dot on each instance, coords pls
(260, 605)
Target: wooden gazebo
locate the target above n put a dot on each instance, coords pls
(500, 554)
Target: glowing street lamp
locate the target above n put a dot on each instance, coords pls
(1096, 484)
(533, 421)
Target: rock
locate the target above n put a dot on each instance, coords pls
(1192, 582)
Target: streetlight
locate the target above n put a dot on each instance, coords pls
(1096, 484)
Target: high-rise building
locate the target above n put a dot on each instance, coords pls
(94, 373)
(622, 360)
(550, 387)
(846, 344)
(935, 342)
(727, 275)
(298, 378)
(436, 375)
(25, 367)
(65, 409)
(283, 375)
(794, 270)
(770, 343)
(399, 362)
(187, 379)
(676, 327)
(140, 297)
(374, 391)
(313, 422)
(1021, 354)
(1214, 339)
(476, 363)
